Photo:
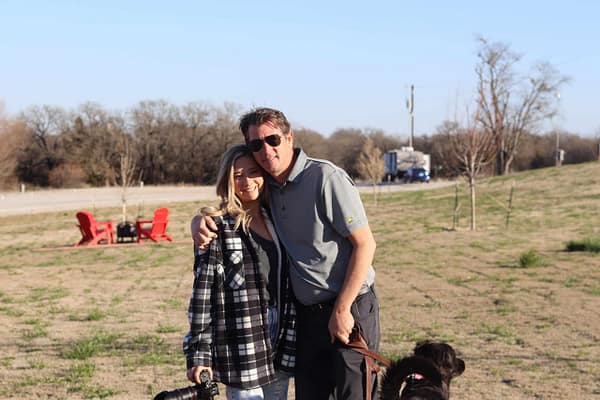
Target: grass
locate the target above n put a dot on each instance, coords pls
(80, 372)
(88, 347)
(95, 314)
(37, 330)
(44, 294)
(72, 320)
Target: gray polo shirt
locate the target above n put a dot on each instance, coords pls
(313, 212)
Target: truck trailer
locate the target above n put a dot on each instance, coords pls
(399, 161)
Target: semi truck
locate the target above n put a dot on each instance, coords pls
(399, 161)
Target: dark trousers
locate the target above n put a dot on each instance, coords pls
(325, 369)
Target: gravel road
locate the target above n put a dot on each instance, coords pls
(39, 201)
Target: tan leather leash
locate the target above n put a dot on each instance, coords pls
(358, 344)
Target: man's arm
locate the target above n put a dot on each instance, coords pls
(341, 321)
(203, 231)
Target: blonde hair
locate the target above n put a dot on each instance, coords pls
(230, 203)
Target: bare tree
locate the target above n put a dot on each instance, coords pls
(93, 140)
(313, 143)
(191, 141)
(345, 145)
(126, 170)
(13, 136)
(472, 148)
(43, 152)
(511, 105)
(153, 122)
(370, 164)
(44, 121)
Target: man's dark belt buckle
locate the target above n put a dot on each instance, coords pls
(320, 306)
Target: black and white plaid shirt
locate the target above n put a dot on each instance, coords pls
(229, 329)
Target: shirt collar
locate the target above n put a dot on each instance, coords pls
(300, 159)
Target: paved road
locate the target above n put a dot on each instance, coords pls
(39, 201)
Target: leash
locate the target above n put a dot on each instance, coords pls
(357, 343)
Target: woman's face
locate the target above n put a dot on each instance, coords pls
(248, 179)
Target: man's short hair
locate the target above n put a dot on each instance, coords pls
(264, 115)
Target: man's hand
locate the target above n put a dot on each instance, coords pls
(203, 231)
(340, 324)
(193, 373)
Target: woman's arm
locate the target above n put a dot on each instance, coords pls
(197, 343)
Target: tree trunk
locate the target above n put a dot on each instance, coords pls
(375, 193)
(500, 162)
(123, 204)
(507, 164)
(472, 189)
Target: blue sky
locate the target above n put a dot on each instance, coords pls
(326, 64)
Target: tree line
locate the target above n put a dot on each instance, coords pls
(158, 142)
(49, 146)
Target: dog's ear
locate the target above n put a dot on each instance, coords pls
(419, 346)
(437, 352)
(458, 368)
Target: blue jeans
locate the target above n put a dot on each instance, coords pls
(276, 390)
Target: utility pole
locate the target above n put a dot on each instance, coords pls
(410, 104)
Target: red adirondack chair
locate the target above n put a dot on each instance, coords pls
(158, 230)
(92, 231)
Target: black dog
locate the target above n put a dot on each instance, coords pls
(424, 376)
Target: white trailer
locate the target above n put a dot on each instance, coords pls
(398, 161)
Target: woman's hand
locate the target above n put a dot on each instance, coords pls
(193, 373)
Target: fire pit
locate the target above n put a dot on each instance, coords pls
(126, 230)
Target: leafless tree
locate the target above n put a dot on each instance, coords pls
(313, 143)
(440, 154)
(126, 171)
(382, 141)
(223, 132)
(191, 139)
(370, 164)
(345, 145)
(152, 123)
(43, 152)
(472, 148)
(13, 139)
(511, 105)
(44, 121)
(92, 142)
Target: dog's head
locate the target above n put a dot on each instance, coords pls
(443, 356)
(426, 375)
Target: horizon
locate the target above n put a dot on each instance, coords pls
(326, 66)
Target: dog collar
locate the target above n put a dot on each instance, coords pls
(415, 377)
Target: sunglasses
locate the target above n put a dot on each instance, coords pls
(257, 144)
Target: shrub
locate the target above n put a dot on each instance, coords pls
(530, 259)
(589, 244)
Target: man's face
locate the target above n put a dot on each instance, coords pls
(275, 160)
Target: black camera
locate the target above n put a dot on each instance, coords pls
(205, 390)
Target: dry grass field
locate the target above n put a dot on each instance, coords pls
(524, 314)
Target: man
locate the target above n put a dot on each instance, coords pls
(320, 219)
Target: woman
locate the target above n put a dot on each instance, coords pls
(242, 318)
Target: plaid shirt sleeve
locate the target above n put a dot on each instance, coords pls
(198, 341)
